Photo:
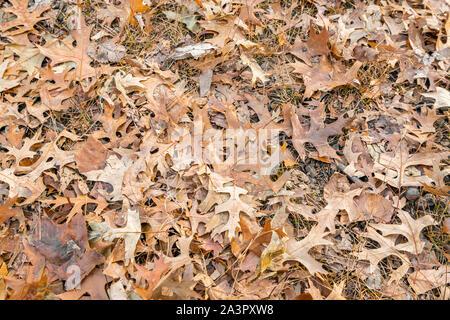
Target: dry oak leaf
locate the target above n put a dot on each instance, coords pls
(130, 233)
(247, 12)
(117, 291)
(51, 151)
(317, 133)
(439, 186)
(374, 206)
(441, 97)
(227, 29)
(386, 249)
(153, 277)
(179, 290)
(234, 206)
(18, 147)
(30, 59)
(335, 294)
(6, 210)
(272, 252)
(315, 45)
(410, 229)
(110, 127)
(252, 244)
(29, 186)
(24, 20)
(390, 167)
(91, 156)
(27, 289)
(6, 84)
(258, 73)
(299, 250)
(113, 174)
(183, 258)
(195, 51)
(339, 196)
(424, 280)
(94, 285)
(78, 204)
(325, 76)
(67, 53)
(106, 52)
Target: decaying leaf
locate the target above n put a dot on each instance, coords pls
(106, 52)
(192, 51)
(233, 149)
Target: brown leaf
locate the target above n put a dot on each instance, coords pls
(447, 225)
(325, 76)
(317, 133)
(424, 280)
(24, 20)
(63, 246)
(106, 52)
(67, 53)
(6, 210)
(91, 156)
(152, 277)
(374, 206)
(317, 44)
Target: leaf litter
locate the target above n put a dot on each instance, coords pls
(103, 104)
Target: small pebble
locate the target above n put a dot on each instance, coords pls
(412, 194)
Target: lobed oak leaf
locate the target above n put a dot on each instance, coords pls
(77, 203)
(248, 9)
(317, 44)
(325, 76)
(299, 250)
(183, 258)
(228, 31)
(30, 59)
(234, 206)
(6, 84)
(113, 174)
(153, 277)
(27, 186)
(318, 132)
(78, 54)
(258, 73)
(439, 187)
(391, 167)
(410, 229)
(387, 248)
(130, 233)
(424, 280)
(6, 210)
(24, 20)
